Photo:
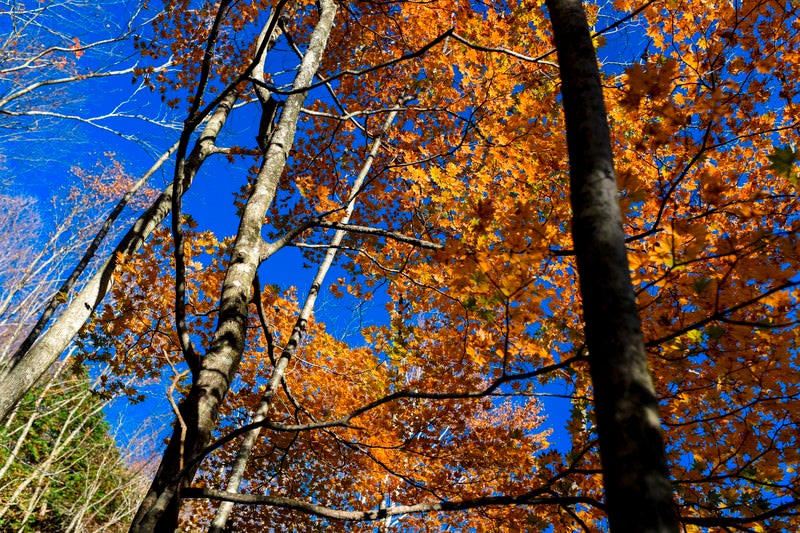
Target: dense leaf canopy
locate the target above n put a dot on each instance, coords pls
(423, 144)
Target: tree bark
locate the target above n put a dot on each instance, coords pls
(239, 465)
(635, 474)
(160, 508)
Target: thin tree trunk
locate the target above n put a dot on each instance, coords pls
(47, 349)
(635, 475)
(70, 437)
(264, 406)
(160, 508)
(88, 255)
(25, 430)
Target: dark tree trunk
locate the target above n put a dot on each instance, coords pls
(635, 474)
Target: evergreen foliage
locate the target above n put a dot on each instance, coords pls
(60, 468)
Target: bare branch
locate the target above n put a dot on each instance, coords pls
(369, 230)
(531, 498)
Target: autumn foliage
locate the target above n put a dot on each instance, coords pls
(462, 398)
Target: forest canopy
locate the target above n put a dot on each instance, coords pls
(418, 265)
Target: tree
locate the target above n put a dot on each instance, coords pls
(454, 214)
(52, 49)
(28, 271)
(38, 271)
(49, 52)
(59, 465)
(636, 479)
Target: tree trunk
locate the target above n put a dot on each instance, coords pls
(239, 465)
(635, 475)
(160, 508)
(47, 349)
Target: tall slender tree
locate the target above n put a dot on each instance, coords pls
(636, 479)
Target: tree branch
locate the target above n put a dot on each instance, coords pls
(369, 230)
(531, 498)
(351, 72)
